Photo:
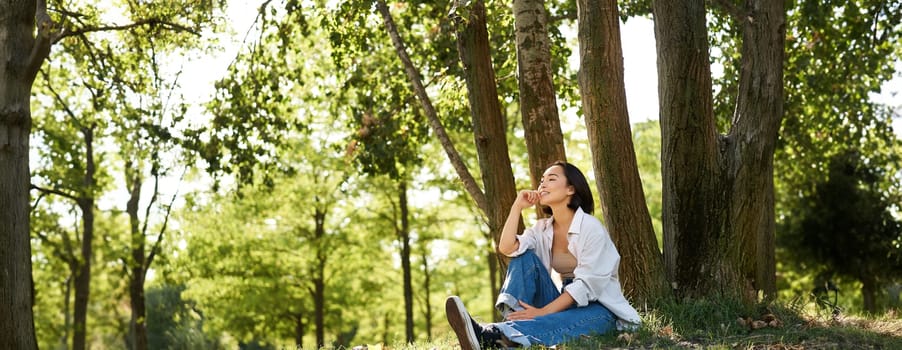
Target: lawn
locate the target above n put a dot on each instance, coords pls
(714, 325)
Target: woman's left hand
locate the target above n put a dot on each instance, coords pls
(529, 312)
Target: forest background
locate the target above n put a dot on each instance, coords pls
(304, 173)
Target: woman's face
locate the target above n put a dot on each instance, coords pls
(554, 188)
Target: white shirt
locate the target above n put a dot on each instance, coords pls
(595, 276)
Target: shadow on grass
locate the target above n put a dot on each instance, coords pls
(714, 324)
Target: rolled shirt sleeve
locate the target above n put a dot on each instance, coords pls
(527, 241)
(537, 238)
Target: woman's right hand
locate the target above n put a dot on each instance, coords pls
(508, 244)
(526, 199)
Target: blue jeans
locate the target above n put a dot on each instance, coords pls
(529, 281)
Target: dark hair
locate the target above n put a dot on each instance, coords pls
(582, 195)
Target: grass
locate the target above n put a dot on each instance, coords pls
(716, 324)
(722, 325)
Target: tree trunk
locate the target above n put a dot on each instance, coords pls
(694, 212)
(22, 54)
(386, 328)
(404, 237)
(67, 317)
(137, 323)
(869, 287)
(83, 278)
(489, 129)
(427, 286)
(16, 285)
(319, 276)
(718, 190)
(495, 281)
(427, 296)
(319, 302)
(469, 183)
(538, 102)
(756, 126)
(613, 155)
(489, 126)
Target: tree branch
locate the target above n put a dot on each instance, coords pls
(153, 200)
(730, 8)
(125, 268)
(144, 22)
(58, 250)
(61, 100)
(53, 191)
(156, 244)
(67, 13)
(416, 81)
(41, 48)
(37, 201)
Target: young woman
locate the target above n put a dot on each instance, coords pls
(573, 243)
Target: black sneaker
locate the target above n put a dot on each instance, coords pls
(490, 337)
(461, 323)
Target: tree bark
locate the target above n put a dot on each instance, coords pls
(67, 317)
(427, 295)
(538, 102)
(137, 322)
(718, 189)
(868, 292)
(495, 276)
(319, 277)
(416, 82)
(693, 213)
(613, 155)
(299, 331)
(756, 125)
(404, 237)
(489, 126)
(21, 51)
(83, 278)
(489, 130)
